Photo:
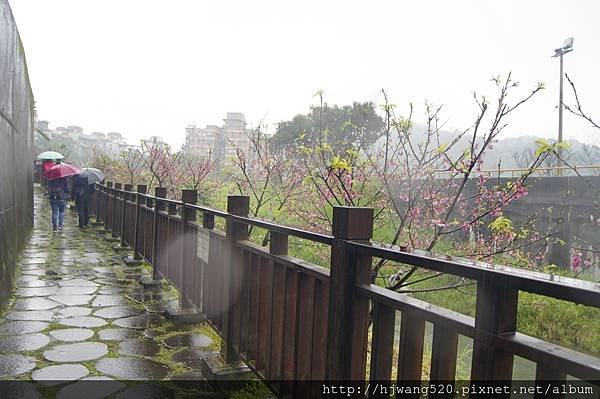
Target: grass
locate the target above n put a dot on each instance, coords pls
(252, 390)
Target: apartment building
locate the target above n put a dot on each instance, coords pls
(112, 142)
(221, 141)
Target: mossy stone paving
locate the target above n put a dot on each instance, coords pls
(25, 342)
(130, 368)
(79, 352)
(86, 388)
(79, 314)
(35, 304)
(116, 312)
(138, 347)
(73, 311)
(117, 334)
(72, 334)
(12, 365)
(54, 375)
(22, 327)
(189, 339)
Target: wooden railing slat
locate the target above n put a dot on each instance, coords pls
(545, 376)
(254, 307)
(305, 327)
(410, 357)
(319, 330)
(264, 314)
(382, 342)
(443, 354)
(496, 313)
(290, 324)
(278, 245)
(245, 275)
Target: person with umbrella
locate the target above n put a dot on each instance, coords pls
(47, 160)
(58, 191)
(83, 188)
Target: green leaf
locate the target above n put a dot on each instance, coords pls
(442, 148)
(501, 224)
(340, 164)
(550, 269)
(543, 146)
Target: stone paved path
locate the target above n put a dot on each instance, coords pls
(79, 313)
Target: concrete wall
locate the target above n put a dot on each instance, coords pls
(576, 199)
(580, 206)
(567, 206)
(16, 140)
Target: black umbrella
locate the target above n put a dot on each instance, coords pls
(92, 174)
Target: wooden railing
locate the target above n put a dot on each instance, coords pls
(292, 320)
(541, 171)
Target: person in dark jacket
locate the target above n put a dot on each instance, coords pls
(58, 192)
(82, 193)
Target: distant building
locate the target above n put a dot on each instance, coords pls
(74, 132)
(153, 141)
(115, 142)
(88, 141)
(111, 143)
(43, 125)
(114, 137)
(220, 140)
(98, 136)
(201, 141)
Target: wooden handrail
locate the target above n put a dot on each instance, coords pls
(570, 289)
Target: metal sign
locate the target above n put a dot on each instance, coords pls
(202, 251)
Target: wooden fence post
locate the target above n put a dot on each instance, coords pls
(278, 245)
(114, 209)
(169, 256)
(187, 215)
(208, 222)
(98, 189)
(496, 313)
(126, 188)
(159, 192)
(238, 205)
(141, 189)
(107, 191)
(348, 316)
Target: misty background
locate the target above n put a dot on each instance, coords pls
(143, 68)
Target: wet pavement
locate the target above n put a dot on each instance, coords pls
(79, 313)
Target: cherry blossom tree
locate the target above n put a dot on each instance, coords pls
(132, 161)
(196, 172)
(268, 177)
(105, 162)
(164, 167)
(426, 188)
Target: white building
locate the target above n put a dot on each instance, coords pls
(222, 141)
(153, 141)
(112, 142)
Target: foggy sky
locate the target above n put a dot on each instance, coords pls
(150, 68)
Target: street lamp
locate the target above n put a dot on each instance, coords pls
(567, 47)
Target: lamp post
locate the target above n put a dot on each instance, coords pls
(567, 47)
